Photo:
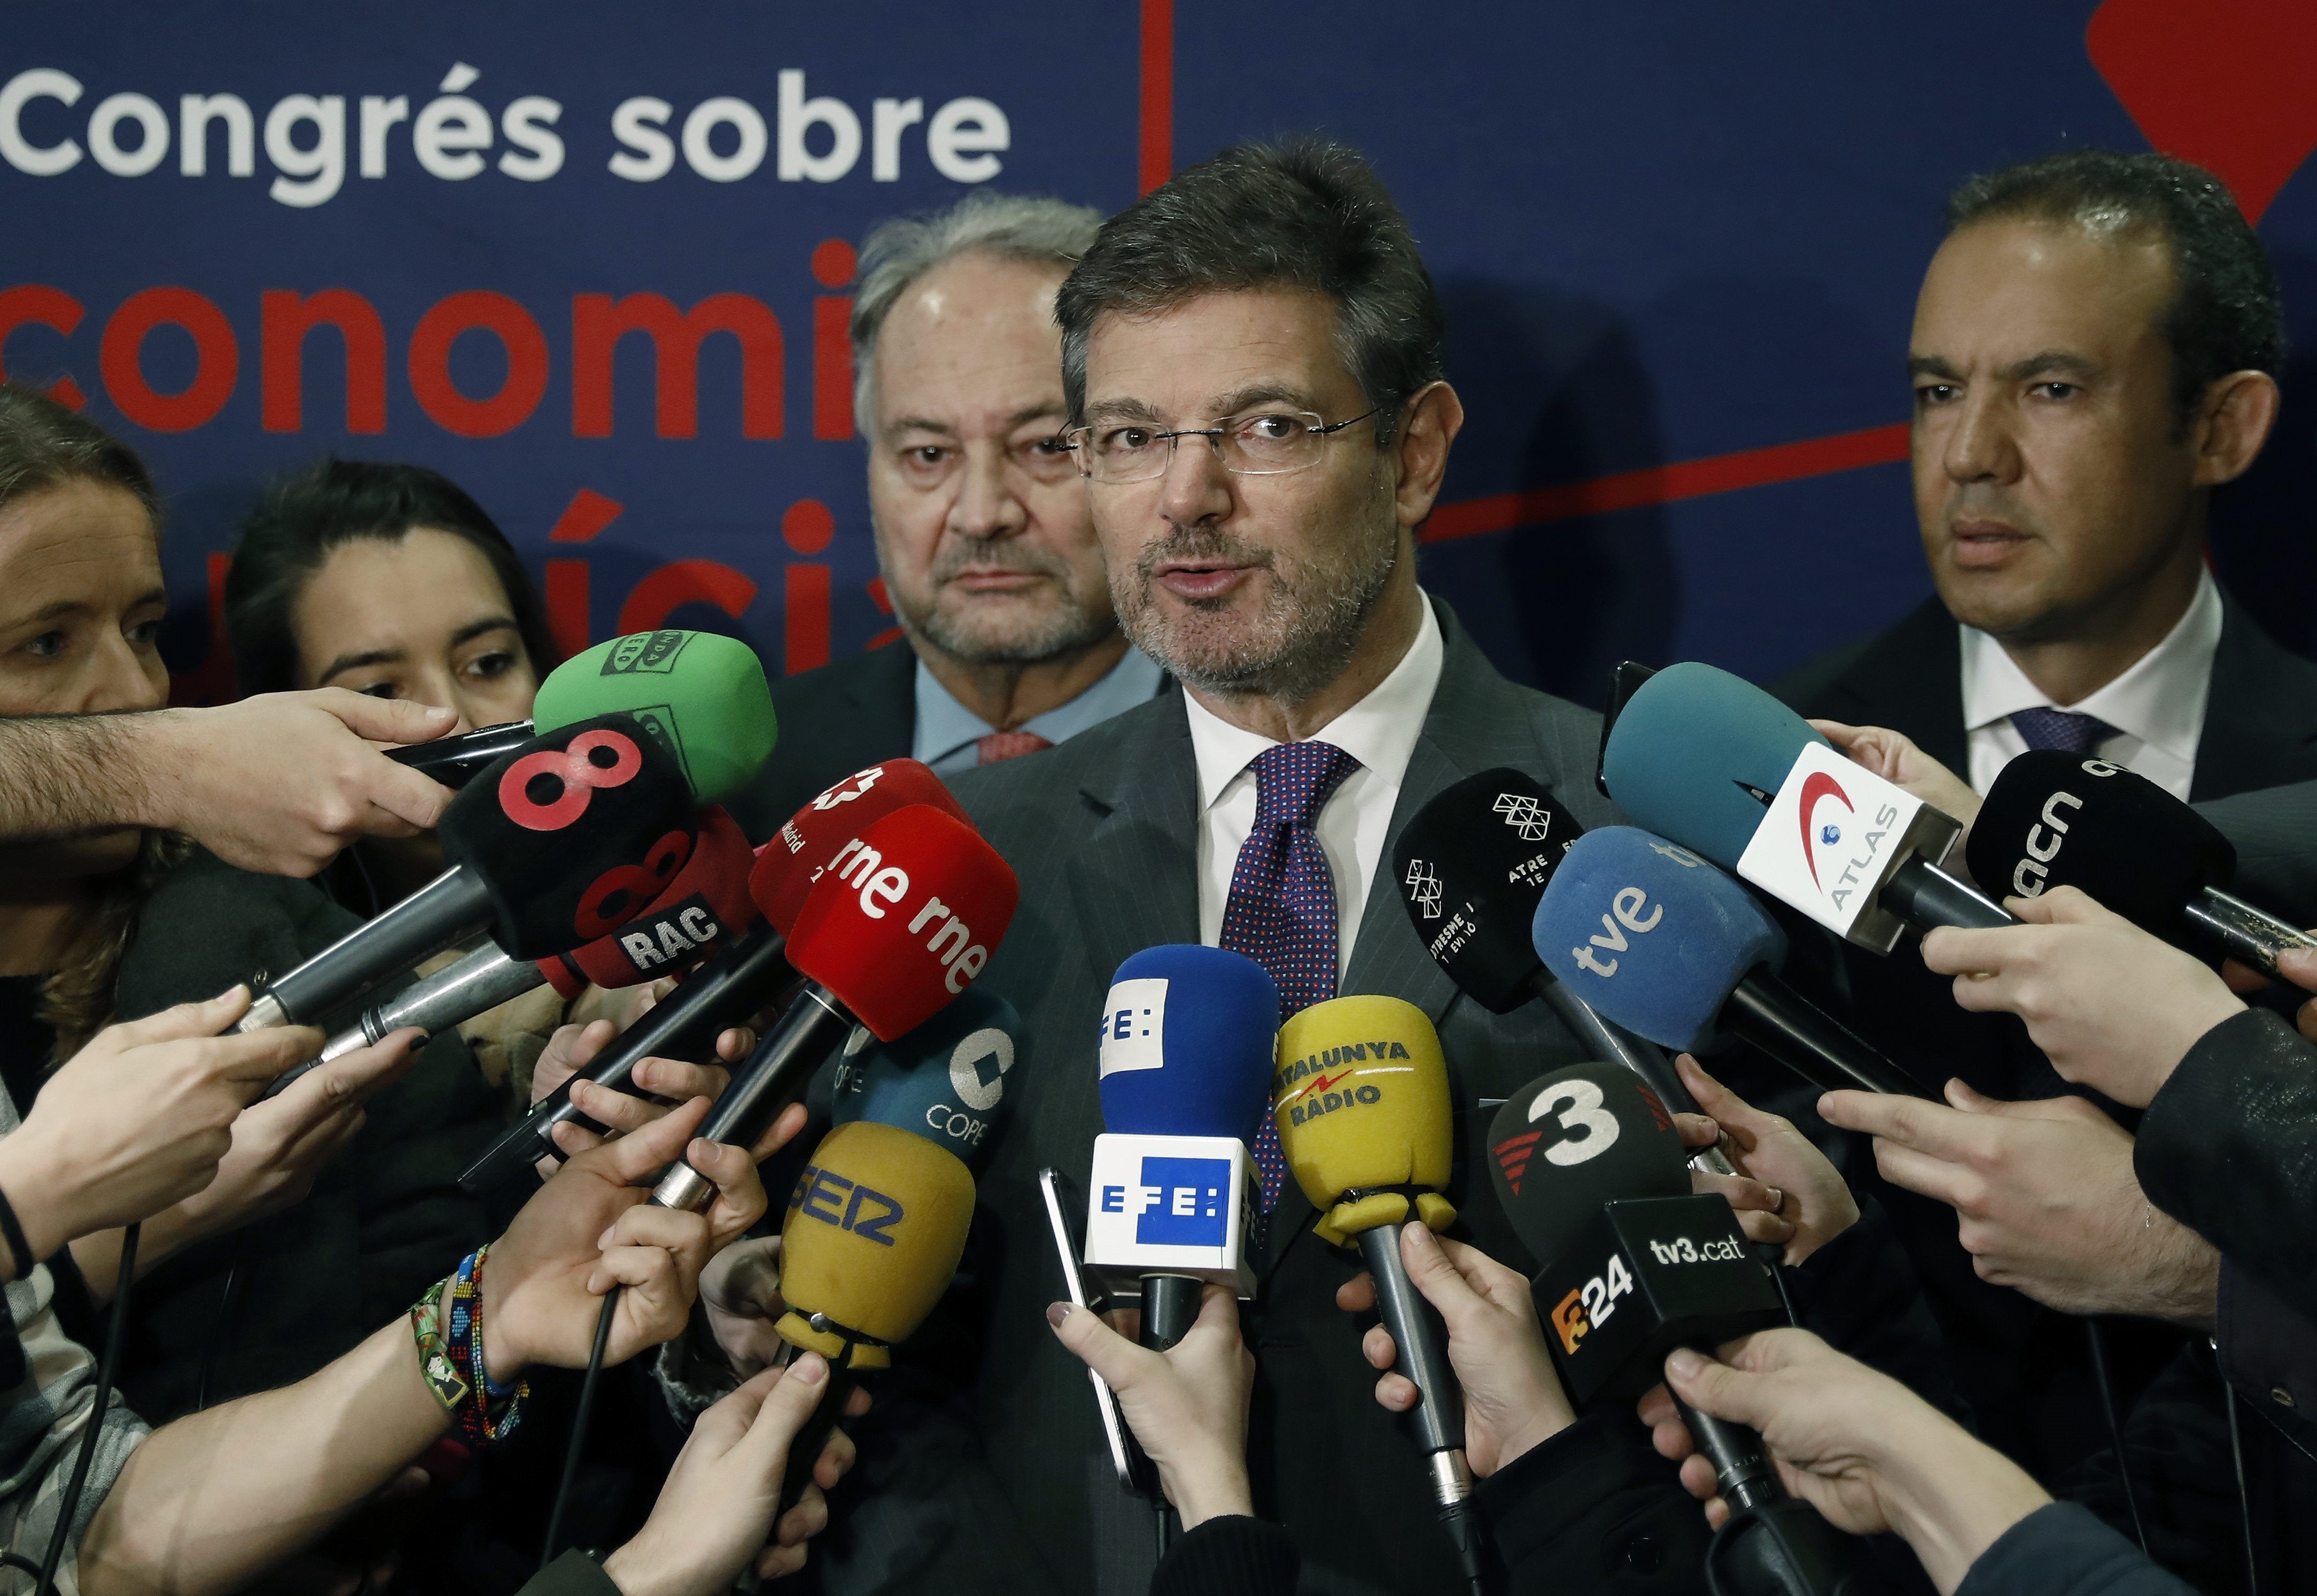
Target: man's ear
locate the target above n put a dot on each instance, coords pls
(1428, 424)
(2239, 411)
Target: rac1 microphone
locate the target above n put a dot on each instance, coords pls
(1719, 765)
(1588, 1167)
(1360, 1099)
(2054, 819)
(556, 844)
(945, 1081)
(1662, 942)
(1184, 1060)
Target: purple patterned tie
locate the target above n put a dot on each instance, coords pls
(2062, 729)
(1282, 912)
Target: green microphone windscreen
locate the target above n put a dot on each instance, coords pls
(703, 696)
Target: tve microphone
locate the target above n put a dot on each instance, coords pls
(1660, 942)
(1588, 1167)
(558, 843)
(2054, 819)
(1183, 1056)
(1716, 763)
(1360, 1098)
(1472, 865)
(945, 1081)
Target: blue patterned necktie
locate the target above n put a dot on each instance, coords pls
(2062, 729)
(1282, 911)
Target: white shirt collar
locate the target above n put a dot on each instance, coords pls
(1380, 731)
(2159, 699)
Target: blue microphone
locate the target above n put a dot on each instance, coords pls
(1184, 1057)
(1666, 945)
(946, 1081)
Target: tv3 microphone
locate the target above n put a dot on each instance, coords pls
(1717, 764)
(2054, 819)
(1360, 1099)
(1660, 940)
(558, 843)
(1589, 1166)
(1184, 1064)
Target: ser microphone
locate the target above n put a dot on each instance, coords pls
(1589, 1166)
(1715, 763)
(1184, 1061)
(2054, 819)
(1660, 942)
(556, 844)
(1360, 1099)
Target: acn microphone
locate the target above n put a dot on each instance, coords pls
(2054, 819)
(1664, 944)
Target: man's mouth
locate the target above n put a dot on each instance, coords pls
(1198, 579)
(992, 579)
(1982, 542)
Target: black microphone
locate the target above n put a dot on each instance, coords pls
(1588, 1167)
(456, 761)
(557, 844)
(2054, 819)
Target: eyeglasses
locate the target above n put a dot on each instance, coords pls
(1267, 445)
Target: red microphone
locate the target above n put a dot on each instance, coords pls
(701, 907)
(815, 832)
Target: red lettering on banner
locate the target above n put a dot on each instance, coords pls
(284, 318)
(883, 600)
(478, 310)
(567, 587)
(217, 359)
(684, 582)
(598, 323)
(210, 681)
(833, 265)
(807, 527)
(804, 617)
(45, 307)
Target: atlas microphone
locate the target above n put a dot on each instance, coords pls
(1360, 1098)
(556, 844)
(2054, 819)
(701, 696)
(1664, 944)
(1588, 1167)
(1715, 763)
(1183, 1059)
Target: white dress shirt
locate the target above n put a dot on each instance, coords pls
(1380, 731)
(2157, 707)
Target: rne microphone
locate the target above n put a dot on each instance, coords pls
(1184, 1060)
(1360, 1099)
(558, 843)
(2054, 819)
(811, 837)
(1589, 1166)
(1717, 764)
(945, 1081)
(1662, 942)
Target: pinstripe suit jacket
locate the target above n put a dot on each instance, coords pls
(1104, 832)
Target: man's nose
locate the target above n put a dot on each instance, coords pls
(1196, 488)
(987, 506)
(1982, 447)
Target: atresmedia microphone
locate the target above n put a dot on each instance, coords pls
(2054, 819)
(1715, 763)
(1184, 1062)
(1663, 943)
(1589, 1169)
(703, 696)
(1360, 1098)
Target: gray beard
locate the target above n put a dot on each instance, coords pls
(1063, 630)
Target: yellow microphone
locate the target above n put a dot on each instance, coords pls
(1360, 1096)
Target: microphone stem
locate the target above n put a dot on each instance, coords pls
(1614, 1044)
(1741, 1467)
(1925, 896)
(804, 1451)
(1772, 1015)
(1171, 1307)
(451, 907)
(773, 1076)
(2241, 932)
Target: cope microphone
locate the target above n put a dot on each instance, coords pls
(945, 1081)
(556, 844)
(703, 696)
(1719, 765)
(1662, 942)
(1589, 1166)
(1360, 1099)
(742, 980)
(2054, 819)
(1184, 1060)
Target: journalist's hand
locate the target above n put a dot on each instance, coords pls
(1785, 1190)
(740, 1290)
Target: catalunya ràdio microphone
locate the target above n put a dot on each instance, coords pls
(556, 844)
(1360, 1099)
(1184, 1065)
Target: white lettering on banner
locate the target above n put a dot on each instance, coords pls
(454, 136)
(1833, 834)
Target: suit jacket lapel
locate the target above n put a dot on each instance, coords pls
(2260, 714)
(1134, 880)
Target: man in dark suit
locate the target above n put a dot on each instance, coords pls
(982, 537)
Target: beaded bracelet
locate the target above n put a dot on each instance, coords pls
(447, 1324)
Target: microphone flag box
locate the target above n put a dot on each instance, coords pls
(1835, 832)
(1171, 1204)
(1647, 1275)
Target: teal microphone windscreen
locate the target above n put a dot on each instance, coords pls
(1696, 755)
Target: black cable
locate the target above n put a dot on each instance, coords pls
(580, 1415)
(108, 1366)
(2098, 1344)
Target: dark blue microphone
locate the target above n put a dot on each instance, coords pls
(946, 1081)
(1184, 1058)
(1666, 945)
